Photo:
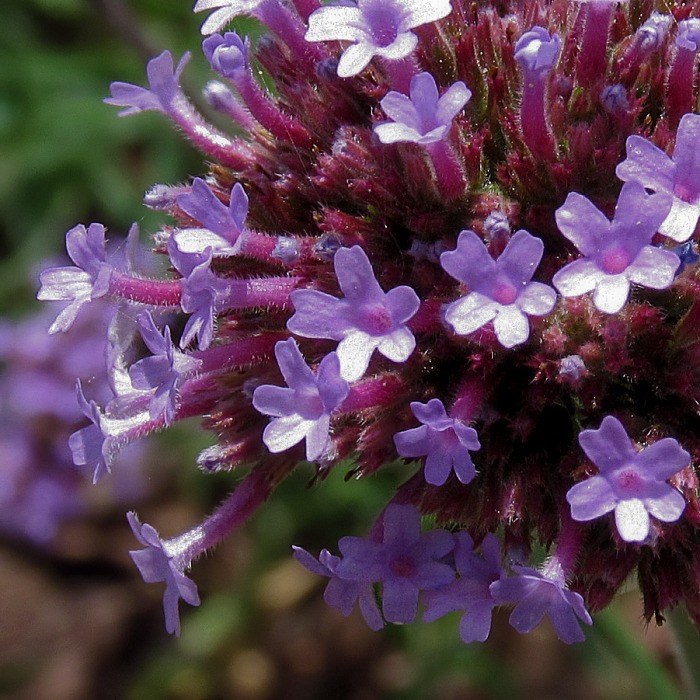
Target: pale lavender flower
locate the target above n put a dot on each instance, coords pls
(224, 12)
(500, 290)
(340, 593)
(156, 563)
(470, 592)
(303, 410)
(653, 32)
(367, 319)
(630, 483)
(445, 442)
(375, 28)
(536, 51)
(227, 54)
(406, 561)
(423, 117)
(163, 87)
(537, 595)
(688, 35)
(201, 290)
(162, 371)
(91, 446)
(677, 177)
(79, 284)
(222, 226)
(618, 252)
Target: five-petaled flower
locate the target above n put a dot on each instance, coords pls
(616, 252)
(445, 442)
(499, 290)
(630, 483)
(375, 28)
(367, 319)
(157, 563)
(424, 116)
(301, 411)
(677, 176)
(406, 561)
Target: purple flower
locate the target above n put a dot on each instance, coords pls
(91, 446)
(653, 32)
(615, 252)
(201, 290)
(227, 54)
(631, 483)
(535, 596)
(406, 561)
(157, 563)
(79, 284)
(341, 593)
(688, 36)
(470, 592)
(375, 28)
(536, 51)
(163, 87)
(424, 117)
(367, 319)
(228, 9)
(677, 177)
(446, 443)
(162, 371)
(500, 290)
(222, 225)
(303, 410)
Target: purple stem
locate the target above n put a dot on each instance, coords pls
(240, 352)
(533, 117)
(280, 125)
(679, 89)
(306, 7)
(449, 173)
(225, 102)
(232, 153)
(267, 291)
(592, 60)
(145, 291)
(400, 72)
(561, 564)
(251, 493)
(290, 29)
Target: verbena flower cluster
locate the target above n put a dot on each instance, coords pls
(460, 234)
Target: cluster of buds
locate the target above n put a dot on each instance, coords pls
(461, 234)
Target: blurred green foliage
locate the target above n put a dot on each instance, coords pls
(65, 157)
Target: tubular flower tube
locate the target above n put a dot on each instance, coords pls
(448, 239)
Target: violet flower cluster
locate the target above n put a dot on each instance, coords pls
(449, 237)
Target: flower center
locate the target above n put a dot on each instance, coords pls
(614, 260)
(629, 481)
(403, 566)
(504, 293)
(310, 403)
(376, 319)
(383, 20)
(685, 192)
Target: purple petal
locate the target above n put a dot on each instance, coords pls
(608, 447)
(521, 257)
(667, 508)
(654, 268)
(647, 164)
(470, 263)
(582, 223)
(471, 313)
(356, 277)
(663, 459)
(399, 601)
(591, 498)
(318, 315)
(578, 277)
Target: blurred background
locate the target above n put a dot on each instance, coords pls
(76, 621)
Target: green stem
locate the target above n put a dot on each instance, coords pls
(686, 648)
(654, 678)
